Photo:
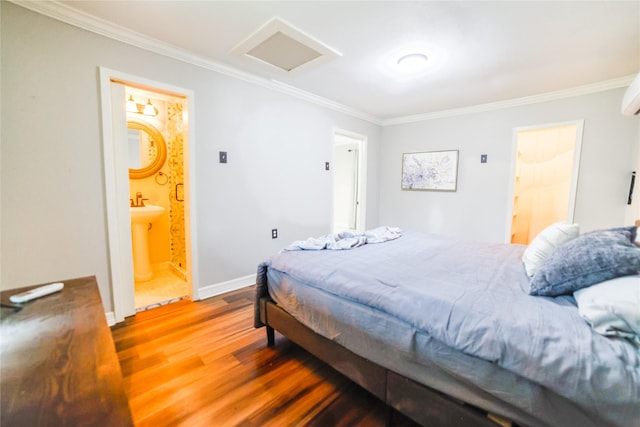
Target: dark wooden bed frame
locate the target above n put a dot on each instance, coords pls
(424, 405)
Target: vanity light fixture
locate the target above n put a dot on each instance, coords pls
(147, 110)
(132, 107)
(412, 63)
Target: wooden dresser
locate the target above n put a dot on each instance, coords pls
(58, 365)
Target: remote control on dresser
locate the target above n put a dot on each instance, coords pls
(36, 292)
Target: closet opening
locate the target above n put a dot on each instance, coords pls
(545, 177)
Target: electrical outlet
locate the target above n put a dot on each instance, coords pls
(326, 166)
(483, 158)
(274, 233)
(223, 157)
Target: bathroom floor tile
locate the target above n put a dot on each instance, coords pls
(165, 287)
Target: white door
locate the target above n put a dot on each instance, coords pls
(348, 187)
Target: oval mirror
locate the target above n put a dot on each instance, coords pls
(146, 147)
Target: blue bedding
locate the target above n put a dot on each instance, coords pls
(472, 297)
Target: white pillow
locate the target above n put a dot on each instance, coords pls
(546, 242)
(612, 307)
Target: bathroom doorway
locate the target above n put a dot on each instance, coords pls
(143, 122)
(545, 178)
(348, 181)
(157, 131)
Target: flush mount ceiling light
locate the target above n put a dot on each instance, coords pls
(284, 47)
(412, 63)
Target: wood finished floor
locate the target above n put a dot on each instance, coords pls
(203, 364)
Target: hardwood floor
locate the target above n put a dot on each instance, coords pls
(203, 364)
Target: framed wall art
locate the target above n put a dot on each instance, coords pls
(430, 171)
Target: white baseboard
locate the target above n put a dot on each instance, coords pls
(208, 291)
(111, 318)
(228, 286)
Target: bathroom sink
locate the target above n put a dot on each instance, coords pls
(145, 214)
(141, 219)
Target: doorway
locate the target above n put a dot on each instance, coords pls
(156, 136)
(348, 182)
(546, 164)
(170, 235)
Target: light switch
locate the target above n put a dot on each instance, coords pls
(483, 158)
(223, 157)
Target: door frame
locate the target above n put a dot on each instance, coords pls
(632, 213)
(118, 216)
(575, 173)
(361, 211)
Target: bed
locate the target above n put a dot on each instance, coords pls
(446, 331)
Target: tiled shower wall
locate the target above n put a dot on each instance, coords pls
(176, 129)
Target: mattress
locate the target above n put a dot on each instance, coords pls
(460, 309)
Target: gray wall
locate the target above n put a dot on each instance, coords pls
(53, 208)
(53, 199)
(479, 209)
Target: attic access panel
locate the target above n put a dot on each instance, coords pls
(284, 47)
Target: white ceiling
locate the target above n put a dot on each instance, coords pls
(480, 52)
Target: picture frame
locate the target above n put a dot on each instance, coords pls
(430, 171)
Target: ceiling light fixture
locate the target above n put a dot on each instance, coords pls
(412, 63)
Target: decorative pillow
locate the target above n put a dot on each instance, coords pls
(546, 242)
(586, 260)
(632, 229)
(612, 307)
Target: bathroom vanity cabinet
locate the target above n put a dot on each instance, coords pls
(58, 364)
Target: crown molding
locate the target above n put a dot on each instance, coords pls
(516, 102)
(66, 14)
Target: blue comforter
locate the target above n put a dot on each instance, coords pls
(472, 297)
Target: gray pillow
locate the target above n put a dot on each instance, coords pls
(586, 260)
(632, 229)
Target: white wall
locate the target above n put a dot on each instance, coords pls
(478, 210)
(53, 200)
